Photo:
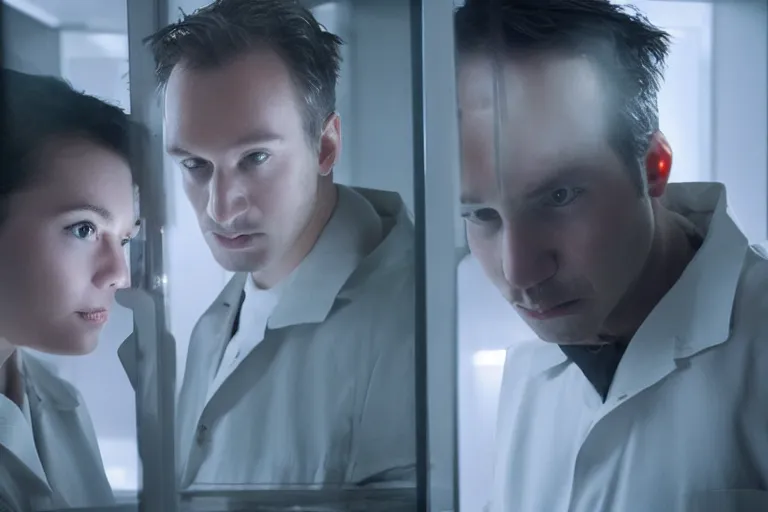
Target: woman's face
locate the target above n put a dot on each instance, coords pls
(62, 248)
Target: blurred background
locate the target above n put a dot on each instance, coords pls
(713, 110)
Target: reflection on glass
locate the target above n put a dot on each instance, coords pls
(298, 370)
(605, 234)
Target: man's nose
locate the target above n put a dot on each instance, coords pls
(226, 198)
(527, 260)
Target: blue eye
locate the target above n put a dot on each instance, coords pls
(256, 158)
(194, 164)
(83, 230)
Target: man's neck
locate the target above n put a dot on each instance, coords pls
(671, 252)
(327, 196)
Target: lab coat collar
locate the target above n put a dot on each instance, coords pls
(17, 435)
(697, 310)
(690, 317)
(42, 385)
(353, 234)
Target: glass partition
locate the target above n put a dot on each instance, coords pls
(714, 116)
(332, 400)
(315, 405)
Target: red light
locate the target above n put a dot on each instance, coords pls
(659, 159)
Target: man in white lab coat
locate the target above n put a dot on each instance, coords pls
(649, 388)
(301, 371)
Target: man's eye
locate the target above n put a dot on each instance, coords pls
(83, 230)
(256, 158)
(194, 164)
(563, 196)
(483, 215)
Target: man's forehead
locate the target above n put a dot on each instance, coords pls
(251, 80)
(222, 105)
(534, 86)
(546, 112)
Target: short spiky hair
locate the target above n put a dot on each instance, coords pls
(226, 29)
(629, 51)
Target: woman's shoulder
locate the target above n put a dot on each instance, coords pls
(42, 378)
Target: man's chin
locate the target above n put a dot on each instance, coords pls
(563, 333)
(240, 261)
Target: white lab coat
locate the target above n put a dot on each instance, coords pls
(49, 457)
(328, 396)
(684, 427)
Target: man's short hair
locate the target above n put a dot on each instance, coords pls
(37, 109)
(627, 48)
(227, 29)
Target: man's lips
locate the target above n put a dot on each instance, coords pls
(548, 312)
(234, 241)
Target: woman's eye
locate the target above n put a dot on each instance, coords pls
(83, 230)
(563, 196)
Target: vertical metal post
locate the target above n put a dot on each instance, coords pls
(419, 209)
(436, 198)
(155, 351)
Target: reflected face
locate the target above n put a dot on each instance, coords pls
(552, 214)
(62, 253)
(237, 135)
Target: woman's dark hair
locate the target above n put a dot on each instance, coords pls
(37, 109)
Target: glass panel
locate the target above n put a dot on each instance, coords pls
(528, 408)
(77, 406)
(289, 287)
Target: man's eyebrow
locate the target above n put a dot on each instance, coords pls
(88, 207)
(254, 138)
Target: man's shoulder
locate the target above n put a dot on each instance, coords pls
(391, 274)
(751, 301)
(749, 317)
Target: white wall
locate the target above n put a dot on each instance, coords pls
(740, 111)
(98, 64)
(29, 44)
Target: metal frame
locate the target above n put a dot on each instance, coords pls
(436, 200)
(155, 350)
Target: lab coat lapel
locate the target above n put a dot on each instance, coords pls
(206, 346)
(17, 442)
(689, 318)
(64, 437)
(242, 381)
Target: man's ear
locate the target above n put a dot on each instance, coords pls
(658, 164)
(330, 144)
